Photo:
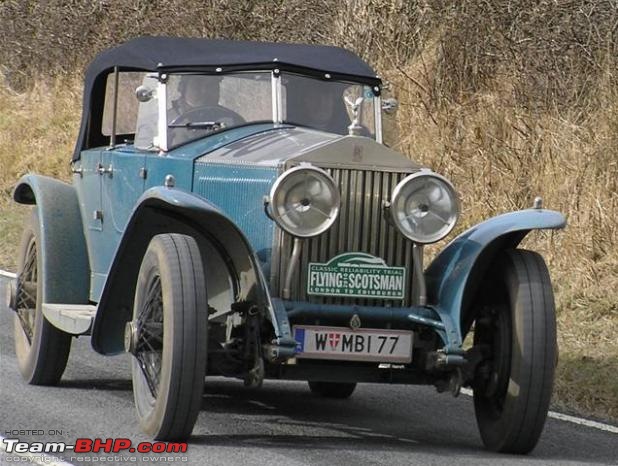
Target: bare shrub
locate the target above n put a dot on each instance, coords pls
(56, 36)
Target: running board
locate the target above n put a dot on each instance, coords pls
(75, 319)
(10, 283)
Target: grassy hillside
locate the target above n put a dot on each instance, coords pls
(510, 99)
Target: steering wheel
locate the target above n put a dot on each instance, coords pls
(210, 113)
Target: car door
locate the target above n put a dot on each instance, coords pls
(123, 173)
(87, 181)
(109, 184)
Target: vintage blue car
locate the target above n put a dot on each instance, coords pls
(234, 212)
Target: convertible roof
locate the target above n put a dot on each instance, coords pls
(167, 54)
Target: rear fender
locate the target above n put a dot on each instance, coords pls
(165, 210)
(455, 275)
(66, 270)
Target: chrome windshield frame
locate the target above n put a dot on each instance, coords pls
(377, 110)
(161, 142)
(277, 99)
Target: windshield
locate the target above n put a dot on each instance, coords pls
(326, 105)
(197, 105)
(200, 104)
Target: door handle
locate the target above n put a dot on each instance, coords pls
(105, 170)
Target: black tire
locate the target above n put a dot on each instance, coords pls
(170, 327)
(512, 389)
(42, 350)
(339, 390)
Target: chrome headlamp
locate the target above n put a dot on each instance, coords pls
(424, 207)
(304, 201)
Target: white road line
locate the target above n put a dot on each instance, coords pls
(34, 458)
(4, 273)
(260, 404)
(584, 422)
(571, 419)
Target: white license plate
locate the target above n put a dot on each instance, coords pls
(342, 343)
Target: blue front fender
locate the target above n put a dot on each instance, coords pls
(66, 269)
(163, 210)
(455, 275)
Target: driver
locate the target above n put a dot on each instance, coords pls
(198, 102)
(196, 92)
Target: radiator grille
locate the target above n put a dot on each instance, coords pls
(360, 227)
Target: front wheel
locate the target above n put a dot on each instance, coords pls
(340, 390)
(517, 329)
(168, 337)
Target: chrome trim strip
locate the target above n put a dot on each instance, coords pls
(276, 97)
(419, 287)
(162, 101)
(292, 267)
(377, 110)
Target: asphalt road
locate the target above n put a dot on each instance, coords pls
(282, 423)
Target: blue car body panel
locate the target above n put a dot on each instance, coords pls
(235, 190)
(217, 140)
(451, 278)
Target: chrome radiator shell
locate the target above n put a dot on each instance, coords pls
(361, 227)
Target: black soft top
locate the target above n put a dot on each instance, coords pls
(169, 54)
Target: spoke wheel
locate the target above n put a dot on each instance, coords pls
(512, 387)
(169, 337)
(42, 350)
(149, 326)
(340, 390)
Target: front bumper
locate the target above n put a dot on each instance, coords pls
(290, 313)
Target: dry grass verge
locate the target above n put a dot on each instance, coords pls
(38, 129)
